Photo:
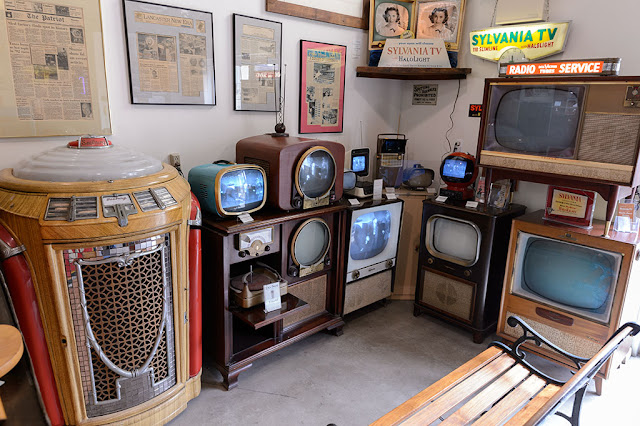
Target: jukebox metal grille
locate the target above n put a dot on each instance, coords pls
(122, 308)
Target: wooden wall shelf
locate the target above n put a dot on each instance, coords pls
(398, 73)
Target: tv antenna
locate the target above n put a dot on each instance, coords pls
(280, 128)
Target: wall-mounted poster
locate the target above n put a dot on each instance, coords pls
(170, 54)
(257, 53)
(52, 69)
(321, 87)
(440, 19)
(390, 19)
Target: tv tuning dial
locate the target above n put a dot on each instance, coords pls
(355, 275)
(389, 263)
(467, 273)
(430, 261)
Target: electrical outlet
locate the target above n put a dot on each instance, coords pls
(174, 159)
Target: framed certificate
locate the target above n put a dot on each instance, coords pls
(170, 53)
(257, 53)
(322, 71)
(570, 206)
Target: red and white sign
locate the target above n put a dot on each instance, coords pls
(556, 68)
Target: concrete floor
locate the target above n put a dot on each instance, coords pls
(385, 356)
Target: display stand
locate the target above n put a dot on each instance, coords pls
(235, 336)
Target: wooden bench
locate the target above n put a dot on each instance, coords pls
(499, 386)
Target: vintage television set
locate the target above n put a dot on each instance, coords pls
(301, 173)
(390, 158)
(371, 246)
(557, 127)
(459, 171)
(573, 285)
(228, 189)
(359, 162)
(463, 253)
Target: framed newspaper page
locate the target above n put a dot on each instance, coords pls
(52, 77)
(170, 51)
(440, 19)
(322, 72)
(350, 13)
(257, 53)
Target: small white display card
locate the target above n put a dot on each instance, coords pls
(412, 53)
(377, 189)
(472, 204)
(354, 201)
(245, 218)
(441, 199)
(431, 190)
(391, 193)
(272, 296)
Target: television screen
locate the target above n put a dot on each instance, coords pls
(539, 121)
(573, 275)
(311, 243)
(317, 174)
(454, 168)
(358, 163)
(451, 239)
(370, 234)
(241, 190)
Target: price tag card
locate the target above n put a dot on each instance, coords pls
(272, 297)
(471, 204)
(353, 201)
(441, 199)
(431, 190)
(377, 189)
(245, 218)
(391, 196)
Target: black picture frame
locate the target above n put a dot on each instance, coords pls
(170, 53)
(257, 63)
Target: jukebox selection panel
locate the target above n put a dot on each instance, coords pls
(119, 205)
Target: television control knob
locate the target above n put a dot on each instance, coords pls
(430, 261)
(293, 271)
(389, 263)
(355, 275)
(296, 202)
(467, 273)
(242, 254)
(327, 261)
(267, 248)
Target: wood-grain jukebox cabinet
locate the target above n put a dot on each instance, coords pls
(572, 285)
(103, 295)
(462, 257)
(301, 251)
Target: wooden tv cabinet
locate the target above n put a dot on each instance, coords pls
(235, 336)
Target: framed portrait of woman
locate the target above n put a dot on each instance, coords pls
(440, 19)
(390, 19)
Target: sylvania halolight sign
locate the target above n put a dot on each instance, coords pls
(534, 40)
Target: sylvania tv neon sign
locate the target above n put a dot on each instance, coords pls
(535, 40)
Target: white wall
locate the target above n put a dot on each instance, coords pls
(204, 134)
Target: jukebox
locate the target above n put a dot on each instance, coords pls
(95, 245)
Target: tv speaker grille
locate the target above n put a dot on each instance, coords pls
(448, 295)
(314, 292)
(366, 291)
(609, 138)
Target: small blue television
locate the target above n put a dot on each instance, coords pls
(228, 189)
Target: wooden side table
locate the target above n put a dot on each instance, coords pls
(11, 349)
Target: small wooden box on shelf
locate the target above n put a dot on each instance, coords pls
(236, 336)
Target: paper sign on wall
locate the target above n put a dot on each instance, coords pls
(425, 94)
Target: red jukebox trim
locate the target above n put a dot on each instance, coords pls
(195, 289)
(23, 297)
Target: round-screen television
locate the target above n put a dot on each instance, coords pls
(459, 168)
(316, 173)
(311, 242)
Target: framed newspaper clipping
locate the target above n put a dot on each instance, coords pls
(322, 72)
(170, 54)
(52, 69)
(257, 53)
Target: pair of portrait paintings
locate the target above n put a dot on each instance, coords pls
(420, 19)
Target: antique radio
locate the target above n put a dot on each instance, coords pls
(390, 158)
(301, 173)
(228, 189)
(247, 287)
(100, 235)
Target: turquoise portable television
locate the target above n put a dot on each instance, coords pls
(229, 189)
